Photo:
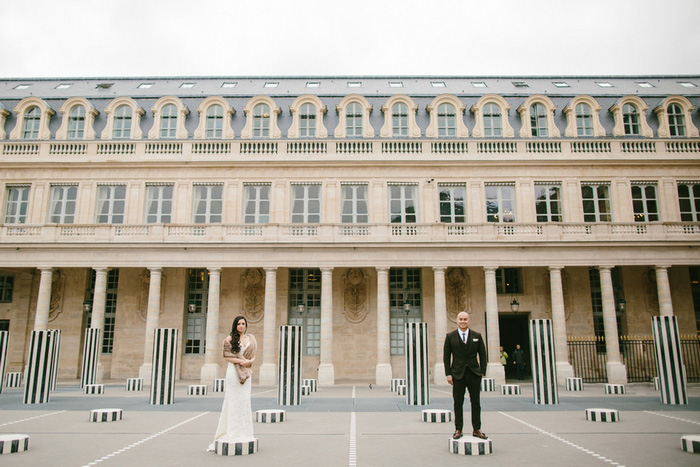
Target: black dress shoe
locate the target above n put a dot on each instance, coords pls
(457, 434)
(479, 434)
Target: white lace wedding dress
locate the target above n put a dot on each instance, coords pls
(236, 419)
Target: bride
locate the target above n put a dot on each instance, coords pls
(236, 420)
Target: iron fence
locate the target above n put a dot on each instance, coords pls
(587, 360)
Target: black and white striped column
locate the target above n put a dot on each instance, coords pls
(91, 349)
(417, 365)
(544, 369)
(56, 340)
(669, 360)
(4, 340)
(164, 364)
(289, 368)
(37, 387)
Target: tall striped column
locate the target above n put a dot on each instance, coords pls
(37, 387)
(56, 352)
(669, 360)
(4, 341)
(91, 348)
(417, 365)
(163, 366)
(544, 369)
(289, 368)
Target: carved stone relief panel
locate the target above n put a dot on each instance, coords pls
(355, 295)
(253, 297)
(457, 287)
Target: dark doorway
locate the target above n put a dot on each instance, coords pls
(513, 330)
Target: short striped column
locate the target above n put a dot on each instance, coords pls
(691, 443)
(488, 385)
(669, 360)
(134, 384)
(37, 387)
(306, 390)
(13, 379)
(310, 382)
(106, 415)
(436, 416)
(470, 446)
(657, 385)
(219, 385)
(544, 368)
(91, 350)
(13, 443)
(270, 416)
(94, 389)
(602, 415)
(289, 368)
(396, 382)
(56, 341)
(401, 390)
(224, 448)
(574, 384)
(4, 346)
(417, 364)
(164, 364)
(614, 388)
(197, 390)
(510, 389)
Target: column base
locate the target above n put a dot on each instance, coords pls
(326, 374)
(145, 372)
(383, 374)
(268, 374)
(208, 373)
(617, 373)
(497, 372)
(439, 375)
(564, 370)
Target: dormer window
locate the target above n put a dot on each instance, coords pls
(353, 120)
(215, 121)
(584, 120)
(399, 119)
(122, 122)
(676, 120)
(630, 118)
(538, 120)
(32, 120)
(76, 122)
(168, 122)
(307, 121)
(261, 121)
(492, 120)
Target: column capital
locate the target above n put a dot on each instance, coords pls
(555, 268)
(326, 270)
(661, 266)
(155, 269)
(270, 270)
(214, 270)
(605, 267)
(382, 269)
(439, 268)
(104, 269)
(488, 269)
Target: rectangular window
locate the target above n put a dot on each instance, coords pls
(500, 203)
(548, 202)
(111, 200)
(196, 315)
(16, 204)
(509, 281)
(257, 204)
(7, 287)
(452, 203)
(159, 204)
(305, 289)
(354, 204)
(644, 202)
(110, 306)
(689, 201)
(62, 204)
(306, 204)
(405, 304)
(207, 205)
(596, 202)
(403, 204)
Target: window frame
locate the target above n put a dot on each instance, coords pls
(274, 111)
(452, 203)
(620, 121)
(134, 131)
(210, 215)
(159, 202)
(42, 122)
(202, 130)
(19, 206)
(646, 206)
(664, 117)
(501, 201)
(298, 129)
(107, 195)
(548, 108)
(341, 131)
(308, 215)
(596, 201)
(176, 128)
(408, 197)
(435, 129)
(548, 215)
(478, 110)
(90, 113)
(388, 109)
(64, 202)
(570, 111)
(691, 212)
(258, 201)
(354, 214)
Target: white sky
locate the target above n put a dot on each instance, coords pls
(91, 38)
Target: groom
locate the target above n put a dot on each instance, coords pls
(464, 372)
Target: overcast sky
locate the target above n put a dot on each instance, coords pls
(93, 38)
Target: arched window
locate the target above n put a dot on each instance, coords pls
(307, 121)
(399, 119)
(122, 122)
(215, 121)
(538, 120)
(76, 122)
(261, 121)
(676, 120)
(584, 120)
(168, 121)
(630, 119)
(353, 120)
(492, 120)
(32, 119)
(447, 120)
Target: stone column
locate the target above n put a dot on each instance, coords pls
(564, 368)
(383, 371)
(212, 348)
(152, 317)
(326, 371)
(43, 305)
(97, 321)
(494, 368)
(268, 369)
(617, 373)
(440, 325)
(664, 290)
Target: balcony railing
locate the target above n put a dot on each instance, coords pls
(351, 233)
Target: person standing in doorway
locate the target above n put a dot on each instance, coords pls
(465, 364)
(504, 357)
(519, 361)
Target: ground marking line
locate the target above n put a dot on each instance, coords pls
(263, 392)
(352, 451)
(669, 416)
(444, 392)
(119, 451)
(558, 438)
(32, 418)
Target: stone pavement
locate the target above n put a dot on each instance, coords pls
(351, 424)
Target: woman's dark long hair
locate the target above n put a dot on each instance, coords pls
(235, 337)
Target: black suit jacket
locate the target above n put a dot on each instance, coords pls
(460, 357)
